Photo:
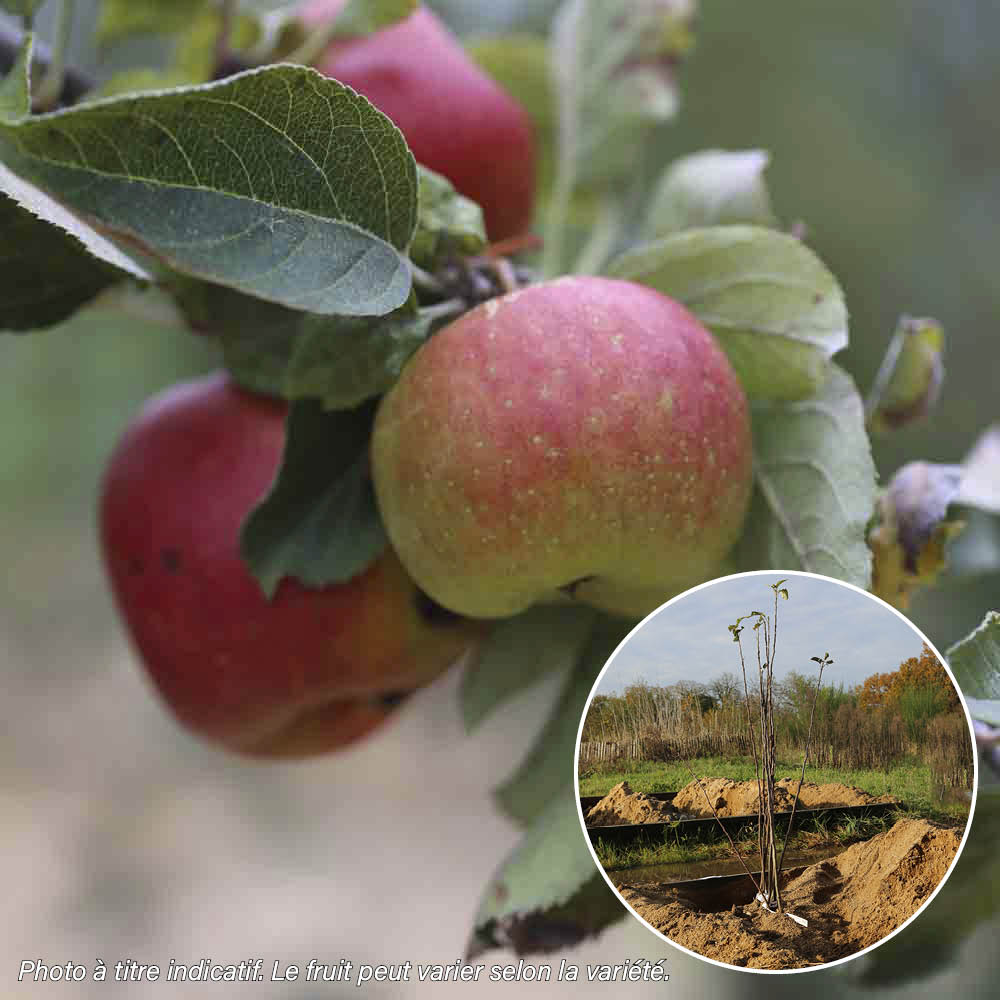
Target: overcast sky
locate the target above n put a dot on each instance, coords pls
(689, 639)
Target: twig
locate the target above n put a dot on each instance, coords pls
(223, 40)
(805, 757)
(51, 85)
(722, 826)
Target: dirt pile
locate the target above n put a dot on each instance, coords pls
(851, 901)
(622, 805)
(739, 798)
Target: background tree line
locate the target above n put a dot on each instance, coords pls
(911, 711)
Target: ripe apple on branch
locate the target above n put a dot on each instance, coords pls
(424, 442)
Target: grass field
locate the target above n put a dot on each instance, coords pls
(910, 782)
(677, 849)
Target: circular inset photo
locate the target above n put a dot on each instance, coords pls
(776, 771)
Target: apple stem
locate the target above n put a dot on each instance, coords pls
(425, 281)
(445, 310)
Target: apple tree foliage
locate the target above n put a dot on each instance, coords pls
(280, 212)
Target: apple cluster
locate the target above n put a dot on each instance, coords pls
(581, 439)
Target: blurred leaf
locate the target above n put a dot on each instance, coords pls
(518, 652)
(319, 523)
(196, 53)
(279, 182)
(614, 65)
(121, 19)
(970, 897)
(547, 895)
(613, 68)
(355, 19)
(972, 893)
(132, 80)
(21, 8)
(544, 775)
(980, 487)
(447, 222)
(362, 17)
(920, 494)
(344, 361)
(908, 382)
(985, 710)
(257, 337)
(815, 486)
(711, 188)
(15, 88)
(777, 311)
(909, 537)
(975, 660)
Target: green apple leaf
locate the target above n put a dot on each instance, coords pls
(45, 273)
(122, 19)
(518, 652)
(775, 308)
(257, 338)
(814, 486)
(344, 361)
(14, 104)
(547, 894)
(277, 182)
(975, 660)
(52, 263)
(908, 382)
(447, 222)
(319, 523)
(710, 188)
(546, 772)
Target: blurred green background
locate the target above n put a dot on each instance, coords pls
(880, 118)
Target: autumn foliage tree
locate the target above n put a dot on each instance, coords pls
(883, 690)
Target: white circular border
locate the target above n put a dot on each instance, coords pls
(913, 916)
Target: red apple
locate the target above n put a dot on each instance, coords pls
(584, 436)
(300, 674)
(454, 117)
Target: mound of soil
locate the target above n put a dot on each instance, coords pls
(851, 901)
(739, 798)
(622, 805)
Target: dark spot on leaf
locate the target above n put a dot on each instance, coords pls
(571, 588)
(171, 560)
(537, 932)
(393, 699)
